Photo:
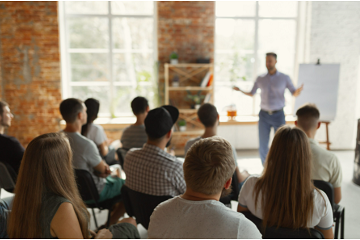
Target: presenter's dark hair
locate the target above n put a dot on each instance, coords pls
(92, 110)
(272, 54)
(139, 105)
(208, 114)
(70, 108)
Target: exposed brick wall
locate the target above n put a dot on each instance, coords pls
(30, 67)
(335, 38)
(187, 28)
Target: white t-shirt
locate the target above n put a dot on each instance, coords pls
(322, 216)
(181, 218)
(96, 133)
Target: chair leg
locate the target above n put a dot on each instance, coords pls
(342, 224)
(108, 219)
(93, 212)
(336, 236)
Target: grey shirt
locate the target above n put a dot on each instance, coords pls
(134, 136)
(181, 218)
(85, 156)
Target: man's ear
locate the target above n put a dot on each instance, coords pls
(228, 183)
(296, 123)
(79, 116)
(147, 109)
(168, 134)
(318, 125)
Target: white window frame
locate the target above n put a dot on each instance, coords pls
(67, 84)
(256, 72)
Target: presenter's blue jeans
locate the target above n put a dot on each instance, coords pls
(266, 122)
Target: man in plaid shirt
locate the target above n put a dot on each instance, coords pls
(150, 169)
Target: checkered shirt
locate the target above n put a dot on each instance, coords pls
(152, 171)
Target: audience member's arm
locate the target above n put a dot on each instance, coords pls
(65, 223)
(242, 209)
(104, 149)
(337, 195)
(328, 234)
(102, 169)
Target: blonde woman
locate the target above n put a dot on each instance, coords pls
(284, 196)
(47, 203)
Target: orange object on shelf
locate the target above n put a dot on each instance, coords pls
(231, 113)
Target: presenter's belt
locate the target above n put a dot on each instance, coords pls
(271, 112)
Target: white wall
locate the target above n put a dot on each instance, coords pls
(335, 38)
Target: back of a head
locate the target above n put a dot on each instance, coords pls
(92, 110)
(208, 115)
(70, 108)
(209, 163)
(287, 176)
(139, 105)
(2, 105)
(308, 117)
(46, 167)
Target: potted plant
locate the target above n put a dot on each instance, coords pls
(176, 81)
(182, 125)
(196, 99)
(174, 58)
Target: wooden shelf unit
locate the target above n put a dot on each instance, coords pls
(190, 77)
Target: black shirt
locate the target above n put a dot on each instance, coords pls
(11, 152)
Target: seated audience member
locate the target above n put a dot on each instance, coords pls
(208, 169)
(150, 169)
(5, 209)
(46, 194)
(96, 132)
(284, 196)
(86, 155)
(11, 151)
(209, 117)
(135, 136)
(326, 166)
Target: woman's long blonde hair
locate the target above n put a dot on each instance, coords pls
(286, 186)
(45, 167)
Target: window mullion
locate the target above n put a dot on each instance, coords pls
(111, 75)
(256, 46)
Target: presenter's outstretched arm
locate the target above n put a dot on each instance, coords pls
(246, 93)
(298, 91)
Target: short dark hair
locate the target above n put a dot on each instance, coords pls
(272, 54)
(308, 116)
(208, 114)
(139, 105)
(2, 105)
(70, 108)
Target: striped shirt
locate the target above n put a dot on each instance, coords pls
(133, 136)
(153, 171)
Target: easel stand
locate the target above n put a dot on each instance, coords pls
(327, 142)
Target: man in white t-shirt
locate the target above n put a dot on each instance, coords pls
(326, 166)
(208, 169)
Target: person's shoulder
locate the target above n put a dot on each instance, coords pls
(251, 180)
(9, 139)
(78, 139)
(322, 153)
(190, 142)
(281, 74)
(261, 76)
(97, 127)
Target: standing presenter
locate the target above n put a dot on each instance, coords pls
(272, 85)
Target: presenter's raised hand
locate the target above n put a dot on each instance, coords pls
(246, 93)
(236, 88)
(298, 91)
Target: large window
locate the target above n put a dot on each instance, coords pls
(245, 31)
(109, 53)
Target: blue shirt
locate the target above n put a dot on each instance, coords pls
(272, 90)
